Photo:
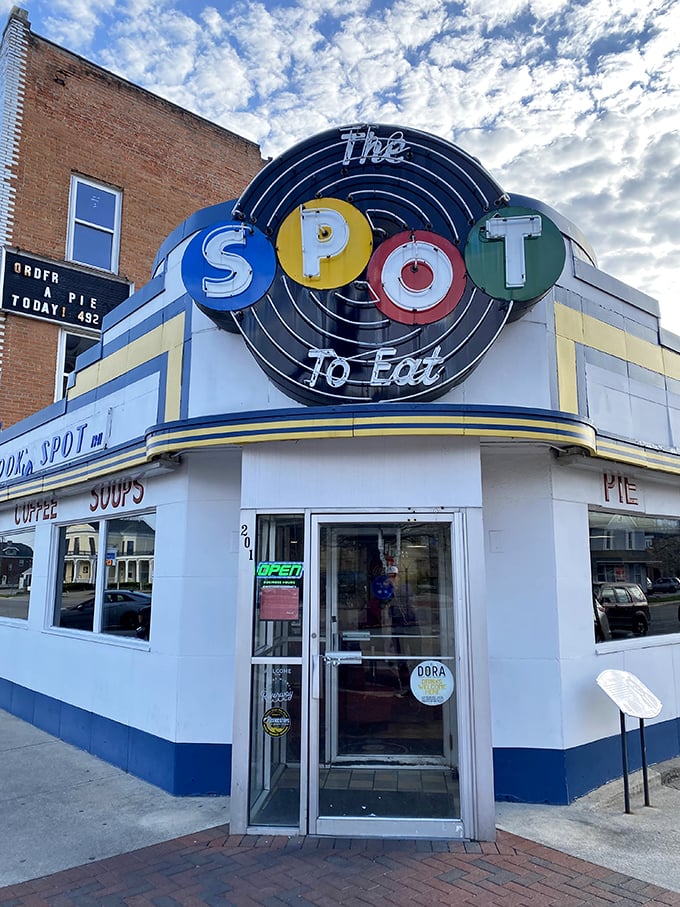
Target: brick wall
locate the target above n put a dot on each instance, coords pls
(168, 163)
(28, 367)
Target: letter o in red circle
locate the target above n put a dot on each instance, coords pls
(417, 277)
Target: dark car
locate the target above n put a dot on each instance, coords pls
(626, 607)
(666, 584)
(121, 611)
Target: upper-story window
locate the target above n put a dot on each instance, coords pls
(93, 224)
(70, 347)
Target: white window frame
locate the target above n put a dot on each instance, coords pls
(60, 372)
(100, 573)
(77, 181)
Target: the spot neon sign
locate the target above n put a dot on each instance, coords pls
(372, 263)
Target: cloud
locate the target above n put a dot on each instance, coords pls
(572, 101)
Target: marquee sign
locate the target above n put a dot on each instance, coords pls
(372, 263)
(56, 292)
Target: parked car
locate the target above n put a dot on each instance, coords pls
(121, 611)
(666, 584)
(625, 605)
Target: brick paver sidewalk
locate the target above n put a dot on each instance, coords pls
(216, 868)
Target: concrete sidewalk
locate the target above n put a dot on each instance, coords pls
(76, 831)
(61, 807)
(644, 843)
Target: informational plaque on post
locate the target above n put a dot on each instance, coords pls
(629, 694)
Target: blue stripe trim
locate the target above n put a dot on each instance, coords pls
(43, 416)
(112, 460)
(368, 410)
(187, 356)
(93, 354)
(196, 769)
(561, 776)
(329, 421)
(224, 434)
(197, 221)
(182, 769)
(149, 291)
(169, 311)
(157, 365)
(357, 420)
(507, 422)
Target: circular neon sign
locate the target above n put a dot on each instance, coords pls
(371, 263)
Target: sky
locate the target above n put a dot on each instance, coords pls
(573, 102)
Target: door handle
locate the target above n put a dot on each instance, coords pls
(334, 659)
(316, 685)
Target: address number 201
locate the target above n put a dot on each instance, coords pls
(246, 540)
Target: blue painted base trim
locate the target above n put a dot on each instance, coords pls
(182, 769)
(203, 769)
(560, 776)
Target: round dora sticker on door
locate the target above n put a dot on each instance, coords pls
(276, 722)
(431, 682)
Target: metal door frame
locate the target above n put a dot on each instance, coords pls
(382, 827)
(472, 683)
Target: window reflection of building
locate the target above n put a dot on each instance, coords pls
(130, 546)
(16, 557)
(633, 548)
(16, 569)
(80, 555)
(131, 541)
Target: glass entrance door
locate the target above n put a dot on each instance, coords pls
(383, 717)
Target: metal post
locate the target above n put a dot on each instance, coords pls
(645, 781)
(624, 756)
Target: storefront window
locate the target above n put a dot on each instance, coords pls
(279, 578)
(276, 726)
(276, 707)
(635, 565)
(123, 607)
(16, 569)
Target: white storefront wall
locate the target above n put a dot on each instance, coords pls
(528, 552)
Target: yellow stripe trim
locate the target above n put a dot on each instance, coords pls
(580, 328)
(567, 384)
(166, 338)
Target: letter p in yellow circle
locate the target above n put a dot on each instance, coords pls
(324, 243)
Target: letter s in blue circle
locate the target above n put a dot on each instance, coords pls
(228, 267)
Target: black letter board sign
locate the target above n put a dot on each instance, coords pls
(56, 292)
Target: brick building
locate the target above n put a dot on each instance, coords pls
(95, 172)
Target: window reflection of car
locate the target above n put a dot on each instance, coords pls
(121, 611)
(667, 584)
(625, 606)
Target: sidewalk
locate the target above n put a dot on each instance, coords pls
(644, 843)
(215, 869)
(76, 831)
(61, 807)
